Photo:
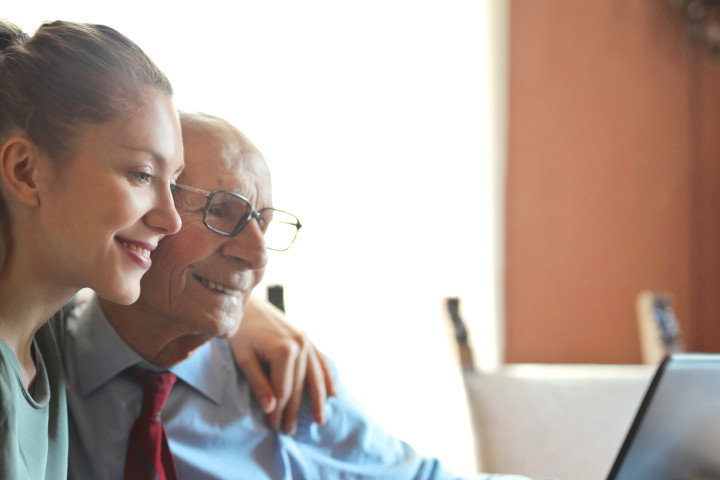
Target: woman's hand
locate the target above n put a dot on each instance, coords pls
(265, 338)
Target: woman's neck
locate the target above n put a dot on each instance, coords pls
(25, 305)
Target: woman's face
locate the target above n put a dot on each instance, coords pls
(109, 206)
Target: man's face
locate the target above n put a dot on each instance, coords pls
(201, 280)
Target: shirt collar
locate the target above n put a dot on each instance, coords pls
(207, 369)
(101, 354)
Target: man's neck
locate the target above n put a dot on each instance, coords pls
(154, 336)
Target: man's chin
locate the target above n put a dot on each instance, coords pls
(222, 326)
(227, 333)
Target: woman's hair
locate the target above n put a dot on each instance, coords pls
(65, 76)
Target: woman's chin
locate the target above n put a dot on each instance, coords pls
(124, 296)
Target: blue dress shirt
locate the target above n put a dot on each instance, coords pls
(215, 427)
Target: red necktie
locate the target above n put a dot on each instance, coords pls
(148, 454)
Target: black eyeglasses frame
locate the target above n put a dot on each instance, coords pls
(257, 215)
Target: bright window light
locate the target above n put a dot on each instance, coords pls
(382, 122)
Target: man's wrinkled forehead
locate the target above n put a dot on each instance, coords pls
(219, 157)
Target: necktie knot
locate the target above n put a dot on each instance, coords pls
(156, 388)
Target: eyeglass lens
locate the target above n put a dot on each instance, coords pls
(281, 231)
(227, 211)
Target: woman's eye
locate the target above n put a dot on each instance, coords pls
(142, 177)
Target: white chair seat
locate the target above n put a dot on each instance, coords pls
(554, 421)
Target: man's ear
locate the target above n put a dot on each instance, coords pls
(18, 168)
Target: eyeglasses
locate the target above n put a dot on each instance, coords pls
(227, 213)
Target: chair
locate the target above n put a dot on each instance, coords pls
(276, 296)
(551, 421)
(659, 329)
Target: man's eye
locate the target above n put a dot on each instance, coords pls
(218, 210)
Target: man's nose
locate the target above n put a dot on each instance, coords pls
(248, 246)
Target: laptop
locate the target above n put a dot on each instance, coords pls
(676, 432)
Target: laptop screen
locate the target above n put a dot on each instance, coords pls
(676, 432)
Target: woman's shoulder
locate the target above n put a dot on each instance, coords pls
(9, 381)
(9, 367)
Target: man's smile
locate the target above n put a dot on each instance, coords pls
(217, 287)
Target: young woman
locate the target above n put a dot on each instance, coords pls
(89, 147)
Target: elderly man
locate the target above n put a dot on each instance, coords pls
(191, 297)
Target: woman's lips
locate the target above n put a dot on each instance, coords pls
(137, 252)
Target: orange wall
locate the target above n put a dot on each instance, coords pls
(613, 178)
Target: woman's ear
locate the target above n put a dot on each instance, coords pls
(18, 168)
